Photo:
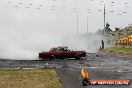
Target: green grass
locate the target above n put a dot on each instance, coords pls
(28, 78)
(119, 50)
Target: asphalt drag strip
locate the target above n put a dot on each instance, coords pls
(70, 78)
(99, 66)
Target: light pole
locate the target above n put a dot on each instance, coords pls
(76, 10)
(88, 20)
(77, 22)
(104, 17)
(88, 17)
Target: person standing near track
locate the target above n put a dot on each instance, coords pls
(102, 44)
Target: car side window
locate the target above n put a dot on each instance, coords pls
(66, 49)
(58, 50)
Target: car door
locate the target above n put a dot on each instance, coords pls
(67, 53)
(59, 53)
(71, 54)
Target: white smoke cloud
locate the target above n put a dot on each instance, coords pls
(17, 45)
(26, 45)
(88, 42)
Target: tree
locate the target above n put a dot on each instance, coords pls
(117, 29)
(107, 28)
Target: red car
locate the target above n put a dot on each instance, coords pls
(62, 52)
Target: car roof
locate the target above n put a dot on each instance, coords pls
(61, 47)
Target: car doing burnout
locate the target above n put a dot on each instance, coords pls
(62, 52)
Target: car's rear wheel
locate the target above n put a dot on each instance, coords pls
(77, 57)
(52, 57)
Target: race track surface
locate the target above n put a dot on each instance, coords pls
(99, 66)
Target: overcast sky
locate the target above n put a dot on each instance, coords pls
(59, 16)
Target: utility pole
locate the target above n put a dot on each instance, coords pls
(104, 17)
(77, 22)
(77, 13)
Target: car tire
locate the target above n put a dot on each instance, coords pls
(77, 57)
(52, 57)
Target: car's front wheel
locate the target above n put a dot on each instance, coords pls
(52, 57)
(77, 57)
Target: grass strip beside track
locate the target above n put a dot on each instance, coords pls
(28, 78)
